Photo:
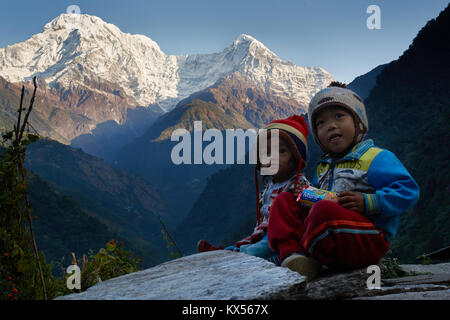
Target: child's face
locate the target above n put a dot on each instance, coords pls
(286, 165)
(335, 129)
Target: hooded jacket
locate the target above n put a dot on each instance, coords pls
(386, 185)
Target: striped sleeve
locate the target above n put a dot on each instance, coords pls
(371, 203)
(396, 190)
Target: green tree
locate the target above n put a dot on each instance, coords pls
(22, 266)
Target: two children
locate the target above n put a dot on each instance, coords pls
(373, 188)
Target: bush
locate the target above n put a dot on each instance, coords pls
(107, 263)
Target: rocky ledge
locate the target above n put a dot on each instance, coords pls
(225, 275)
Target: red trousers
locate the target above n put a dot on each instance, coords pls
(335, 236)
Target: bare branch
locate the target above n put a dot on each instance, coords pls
(16, 128)
(29, 110)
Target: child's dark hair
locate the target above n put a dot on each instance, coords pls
(337, 84)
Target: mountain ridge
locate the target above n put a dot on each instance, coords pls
(67, 53)
(93, 78)
(125, 203)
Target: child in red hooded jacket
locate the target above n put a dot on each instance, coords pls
(292, 150)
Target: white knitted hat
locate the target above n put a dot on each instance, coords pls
(337, 96)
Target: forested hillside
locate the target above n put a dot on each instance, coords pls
(409, 113)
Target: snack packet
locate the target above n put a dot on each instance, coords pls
(310, 195)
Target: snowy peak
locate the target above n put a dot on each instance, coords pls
(67, 21)
(79, 49)
(247, 47)
(245, 38)
(70, 51)
(92, 27)
(250, 43)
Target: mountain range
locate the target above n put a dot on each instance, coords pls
(91, 73)
(67, 54)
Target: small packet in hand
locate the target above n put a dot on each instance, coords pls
(310, 195)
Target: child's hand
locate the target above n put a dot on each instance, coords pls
(352, 200)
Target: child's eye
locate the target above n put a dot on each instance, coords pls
(339, 115)
(319, 122)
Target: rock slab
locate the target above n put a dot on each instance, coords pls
(227, 275)
(215, 275)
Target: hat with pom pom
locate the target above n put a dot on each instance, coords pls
(295, 130)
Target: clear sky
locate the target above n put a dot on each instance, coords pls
(331, 34)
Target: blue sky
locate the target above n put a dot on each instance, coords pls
(327, 33)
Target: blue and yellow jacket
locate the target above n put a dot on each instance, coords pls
(387, 186)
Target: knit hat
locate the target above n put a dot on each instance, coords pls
(294, 131)
(337, 96)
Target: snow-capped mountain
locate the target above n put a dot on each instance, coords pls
(73, 51)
